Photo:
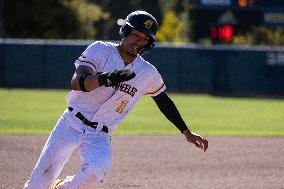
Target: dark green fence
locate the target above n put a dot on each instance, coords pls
(222, 70)
(215, 70)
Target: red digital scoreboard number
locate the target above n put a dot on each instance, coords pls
(224, 32)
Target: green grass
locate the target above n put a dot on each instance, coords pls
(36, 112)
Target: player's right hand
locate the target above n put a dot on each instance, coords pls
(115, 77)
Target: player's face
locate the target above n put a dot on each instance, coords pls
(135, 41)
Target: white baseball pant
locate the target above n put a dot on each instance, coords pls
(69, 134)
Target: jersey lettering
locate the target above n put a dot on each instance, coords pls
(133, 91)
(128, 89)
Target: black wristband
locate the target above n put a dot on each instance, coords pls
(82, 81)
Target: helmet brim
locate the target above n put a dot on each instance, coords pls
(146, 32)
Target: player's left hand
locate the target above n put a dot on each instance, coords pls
(114, 77)
(196, 139)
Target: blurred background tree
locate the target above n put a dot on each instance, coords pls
(261, 36)
(55, 19)
(172, 29)
(108, 29)
(175, 26)
(97, 19)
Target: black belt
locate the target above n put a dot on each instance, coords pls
(87, 122)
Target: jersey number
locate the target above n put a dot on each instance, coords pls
(122, 106)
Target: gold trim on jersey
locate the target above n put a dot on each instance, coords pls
(86, 61)
(154, 91)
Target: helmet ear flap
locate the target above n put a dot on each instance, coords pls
(124, 30)
(151, 43)
(148, 47)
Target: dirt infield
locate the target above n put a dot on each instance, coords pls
(163, 162)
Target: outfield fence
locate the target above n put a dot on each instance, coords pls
(221, 70)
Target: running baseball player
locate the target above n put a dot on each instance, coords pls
(108, 81)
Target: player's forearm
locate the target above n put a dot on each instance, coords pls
(168, 108)
(89, 83)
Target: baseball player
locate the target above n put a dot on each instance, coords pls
(108, 81)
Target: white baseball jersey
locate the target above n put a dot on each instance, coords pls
(105, 105)
(109, 105)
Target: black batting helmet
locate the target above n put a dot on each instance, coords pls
(143, 22)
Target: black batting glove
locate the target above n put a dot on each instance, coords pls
(114, 77)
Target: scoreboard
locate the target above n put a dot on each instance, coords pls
(241, 3)
(209, 15)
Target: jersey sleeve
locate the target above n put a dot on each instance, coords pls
(155, 84)
(92, 57)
